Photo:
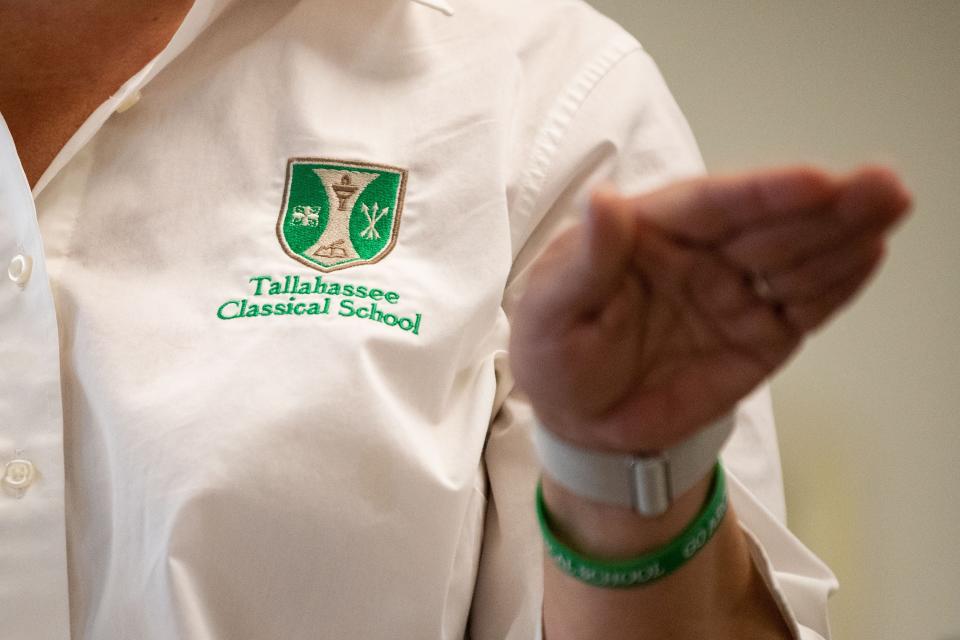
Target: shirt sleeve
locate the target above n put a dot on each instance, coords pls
(616, 122)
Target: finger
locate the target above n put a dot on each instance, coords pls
(747, 323)
(721, 289)
(873, 193)
(712, 209)
(663, 262)
(728, 305)
(783, 245)
(583, 269)
(808, 315)
(820, 274)
(610, 238)
(871, 201)
(667, 412)
(621, 311)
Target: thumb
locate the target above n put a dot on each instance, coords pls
(583, 269)
(609, 238)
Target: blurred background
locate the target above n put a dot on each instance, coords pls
(868, 414)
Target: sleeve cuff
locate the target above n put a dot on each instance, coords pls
(799, 582)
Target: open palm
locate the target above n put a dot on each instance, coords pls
(661, 311)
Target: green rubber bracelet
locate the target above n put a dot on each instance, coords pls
(634, 572)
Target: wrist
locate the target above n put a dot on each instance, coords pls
(604, 546)
(612, 532)
(687, 569)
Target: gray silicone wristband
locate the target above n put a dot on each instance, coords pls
(646, 484)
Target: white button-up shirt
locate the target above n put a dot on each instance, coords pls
(253, 379)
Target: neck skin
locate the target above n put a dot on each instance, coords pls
(61, 60)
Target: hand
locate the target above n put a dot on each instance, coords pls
(661, 311)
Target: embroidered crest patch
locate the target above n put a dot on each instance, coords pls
(338, 214)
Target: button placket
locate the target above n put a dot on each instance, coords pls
(32, 480)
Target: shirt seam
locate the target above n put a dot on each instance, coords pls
(561, 115)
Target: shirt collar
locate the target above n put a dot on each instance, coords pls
(200, 15)
(440, 5)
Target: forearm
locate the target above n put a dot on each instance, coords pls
(717, 595)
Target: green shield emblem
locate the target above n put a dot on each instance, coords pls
(338, 214)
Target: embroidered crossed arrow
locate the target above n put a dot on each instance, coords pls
(373, 217)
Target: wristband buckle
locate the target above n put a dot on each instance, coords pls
(650, 489)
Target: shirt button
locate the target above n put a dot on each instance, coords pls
(19, 475)
(128, 102)
(19, 269)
